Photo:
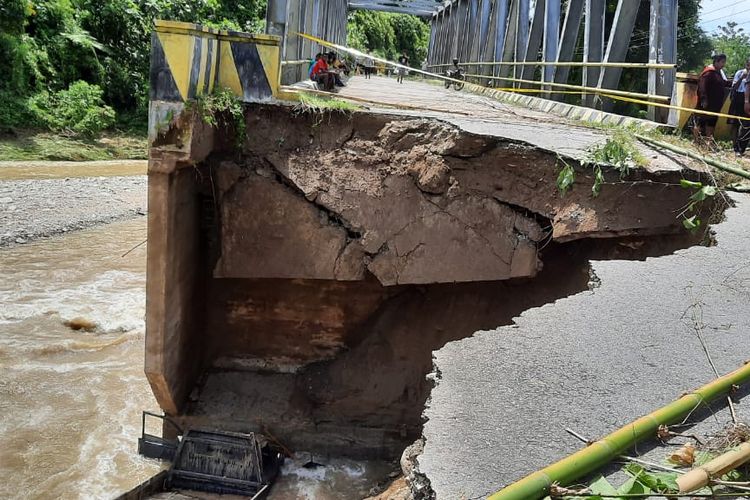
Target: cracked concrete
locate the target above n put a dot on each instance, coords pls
(301, 284)
(415, 197)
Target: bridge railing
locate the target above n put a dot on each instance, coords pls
(549, 87)
(508, 40)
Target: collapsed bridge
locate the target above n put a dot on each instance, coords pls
(303, 263)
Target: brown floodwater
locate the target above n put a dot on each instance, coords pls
(16, 170)
(71, 402)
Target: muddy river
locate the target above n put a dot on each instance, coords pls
(71, 401)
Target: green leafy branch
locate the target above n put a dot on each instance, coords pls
(690, 213)
(221, 106)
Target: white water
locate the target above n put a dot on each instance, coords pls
(71, 401)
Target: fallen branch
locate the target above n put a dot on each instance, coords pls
(715, 163)
(701, 476)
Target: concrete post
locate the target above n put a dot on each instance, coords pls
(571, 28)
(551, 37)
(501, 24)
(593, 45)
(662, 50)
(536, 34)
(617, 47)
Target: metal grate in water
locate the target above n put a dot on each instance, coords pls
(223, 463)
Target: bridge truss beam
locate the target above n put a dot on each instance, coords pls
(493, 37)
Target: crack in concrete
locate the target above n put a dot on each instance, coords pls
(474, 230)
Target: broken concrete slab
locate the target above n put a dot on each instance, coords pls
(311, 273)
(591, 362)
(407, 199)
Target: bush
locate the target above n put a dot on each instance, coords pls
(79, 110)
(14, 112)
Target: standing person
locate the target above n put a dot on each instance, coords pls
(711, 87)
(737, 108)
(369, 65)
(743, 135)
(403, 60)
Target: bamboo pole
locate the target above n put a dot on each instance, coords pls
(702, 476)
(716, 163)
(598, 454)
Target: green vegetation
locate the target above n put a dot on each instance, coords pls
(566, 177)
(222, 107)
(80, 66)
(34, 145)
(619, 150)
(78, 111)
(700, 194)
(735, 43)
(312, 102)
(645, 483)
(387, 35)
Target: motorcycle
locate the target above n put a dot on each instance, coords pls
(455, 74)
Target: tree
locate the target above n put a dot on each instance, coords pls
(735, 43)
(387, 35)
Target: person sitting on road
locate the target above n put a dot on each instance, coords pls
(711, 86)
(321, 75)
(334, 66)
(312, 65)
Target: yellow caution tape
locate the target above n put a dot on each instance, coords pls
(620, 98)
(602, 92)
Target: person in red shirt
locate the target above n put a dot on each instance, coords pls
(711, 96)
(321, 74)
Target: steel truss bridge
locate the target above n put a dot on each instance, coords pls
(529, 44)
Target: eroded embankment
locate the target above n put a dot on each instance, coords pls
(340, 251)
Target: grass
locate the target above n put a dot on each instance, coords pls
(35, 145)
(619, 150)
(312, 102)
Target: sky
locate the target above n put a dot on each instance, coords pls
(718, 12)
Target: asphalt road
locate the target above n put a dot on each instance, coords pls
(592, 362)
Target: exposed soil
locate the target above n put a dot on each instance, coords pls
(343, 250)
